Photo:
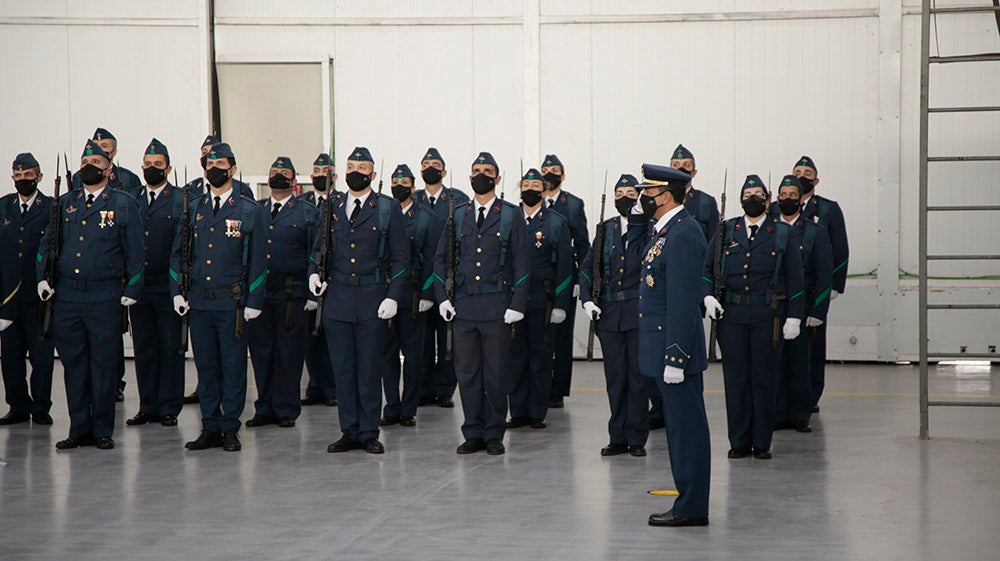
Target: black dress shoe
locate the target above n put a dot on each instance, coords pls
(75, 442)
(656, 423)
(311, 400)
(330, 402)
(104, 443)
(407, 421)
(494, 447)
(614, 449)
(191, 398)
(286, 422)
(672, 520)
(41, 418)
(168, 420)
(12, 418)
(556, 403)
(538, 424)
(637, 451)
(345, 444)
(471, 446)
(801, 426)
(231, 442)
(762, 454)
(207, 439)
(389, 421)
(119, 397)
(260, 421)
(518, 422)
(373, 446)
(737, 453)
(815, 409)
(141, 419)
(445, 402)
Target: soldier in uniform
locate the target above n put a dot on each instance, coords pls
(368, 258)
(228, 269)
(551, 265)
(156, 330)
(423, 229)
(119, 177)
(198, 186)
(617, 316)
(322, 387)
(826, 213)
(571, 207)
(764, 302)
(670, 327)
(439, 380)
(279, 337)
(100, 271)
(25, 215)
(793, 399)
(491, 280)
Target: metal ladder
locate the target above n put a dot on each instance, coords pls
(924, 209)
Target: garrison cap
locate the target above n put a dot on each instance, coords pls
(157, 148)
(681, 153)
(361, 154)
(103, 134)
(209, 140)
(221, 150)
(487, 158)
(627, 180)
(552, 160)
(323, 159)
(532, 175)
(432, 154)
(807, 162)
(92, 149)
(284, 162)
(754, 180)
(401, 171)
(24, 161)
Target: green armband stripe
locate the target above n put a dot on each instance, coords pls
(400, 273)
(173, 274)
(823, 296)
(260, 280)
(708, 280)
(137, 277)
(797, 294)
(38, 257)
(312, 259)
(438, 277)
(428, 283)
(586, 276)
(518, 283)
(563, 285)
(841, 266)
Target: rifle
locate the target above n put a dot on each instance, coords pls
(385, 259)
(597, 270)
(184, 279)
(720, 283)
(290, 284)
(321, 263)
(55, 241)
(450, 264)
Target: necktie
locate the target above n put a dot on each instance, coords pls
(482, 216)
(753, 231)
(152, 197)
(551, 202)
(356, 211)
(321, 199)
(215, 209)
(275, 209)
(24, 209)
(528, 219)
(90, 200)
(623, 241)
(431, 199)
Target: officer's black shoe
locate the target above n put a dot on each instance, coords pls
(471, 446)
(637, 451)
(389, 421)
(41, 418)
(494, 447)
(538, 424)
(141, 418)
(737, 453)
(614, 449)
(286, 422)
(168, 420)
(311, 400)
(762, 454)
(231, 442)
(104, 443)
(191, 398)
(445, 402)
(656, 423)
(518, 422)
(407, 422)
(345, 444)
(119, 397)
(672, 520)
(556, 403)
(330, 402)
(207, 439)
(815, 409)
(260, 421)
(373, 446)
(75, 442)
(801, 426)
(12, 418)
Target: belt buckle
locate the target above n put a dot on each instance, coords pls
(620, 296)
(352, 279)
(473, 289)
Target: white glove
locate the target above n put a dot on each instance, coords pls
(593, 312)
(576, 291)
(126, 301)
(250, 314)
(311, 305)
(424, 305)
(45, 291)
(316, 286)
(558, 315)
(387, 309)
(833, 295)
(446, 310)
(672, 375)
(791, 328)
(512, 316)
(713, 309)
(813, 322)
(5, 323)
(181, 305)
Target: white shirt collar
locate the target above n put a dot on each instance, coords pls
(406, 208)
(427, 191)
(488, 205)
(223, 198)
(792, 221)
(156, 191)
(747, 223)
(624, 222)
(351, 198)
(666, 217)
(533, 214)
(282, 201)
(807, 198)
(96, 193)
(28, 202)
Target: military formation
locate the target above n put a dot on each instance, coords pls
(412, 294)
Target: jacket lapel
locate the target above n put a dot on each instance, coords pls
(740, 234)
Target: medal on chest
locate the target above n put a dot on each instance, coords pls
(107, 218)
(538, 239)
(233, 228)
(655, 251)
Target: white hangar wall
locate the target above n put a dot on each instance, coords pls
(748, 85)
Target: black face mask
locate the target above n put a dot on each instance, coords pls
(553, 180)
(358, 181)
(483, 183)
(91, 174)
(319, 182)
(401, 192)
(26, 187)
(279, 182)
(807, 184)
(531, 197)
(217, 177)
(431, 176)
(648, 204)
(154, 176)
(788, 206)
(625, 205)
(754, 206)
(204, 161)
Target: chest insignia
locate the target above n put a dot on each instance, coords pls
(233, 228)
(650, 281)
(107, 218)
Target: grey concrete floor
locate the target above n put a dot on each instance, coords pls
(862, 486)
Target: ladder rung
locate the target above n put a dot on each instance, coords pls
(962, 257)
(963, 306)
(969, 403)
(963, 356)
(963, 159)
(983, 108)
(962, 208)
(983, 57)
(964, 9)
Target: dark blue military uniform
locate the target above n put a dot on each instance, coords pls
(23, 341)
(279, 337)
(120, 178)
(704, 210)
(199, 187)
(322, 385)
